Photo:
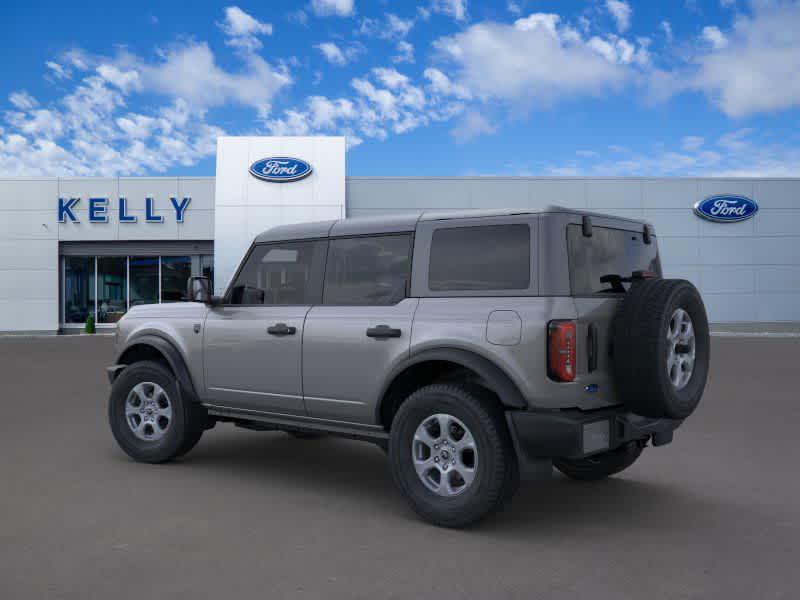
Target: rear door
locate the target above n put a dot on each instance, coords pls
(253, 342)
(617, 249)
(361, 330)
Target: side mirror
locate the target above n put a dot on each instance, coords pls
(199, 290)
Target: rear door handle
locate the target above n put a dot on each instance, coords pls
(383, 331)
(281, 329)
(592, 347)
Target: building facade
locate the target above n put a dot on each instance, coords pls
(71, 248)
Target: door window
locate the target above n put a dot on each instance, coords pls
(281, 274)
(369, 270)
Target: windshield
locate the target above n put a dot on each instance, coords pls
(607, 252)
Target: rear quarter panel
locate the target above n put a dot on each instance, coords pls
(462, 323)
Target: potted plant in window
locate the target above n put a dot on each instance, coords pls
(89, 328)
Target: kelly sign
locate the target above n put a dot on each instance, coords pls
(99, 208)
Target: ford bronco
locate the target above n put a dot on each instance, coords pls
(477, 348)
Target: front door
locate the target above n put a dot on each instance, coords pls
(253, 341)
(361, 330)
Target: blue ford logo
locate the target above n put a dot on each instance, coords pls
(726, 209)
(280, 169)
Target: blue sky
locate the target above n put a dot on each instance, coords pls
(438, 87)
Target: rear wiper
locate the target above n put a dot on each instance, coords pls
(617, 280)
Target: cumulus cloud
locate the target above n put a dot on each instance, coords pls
(715, 37)
(385, 101)
(91, 131)
(621, 11)
(243, 29)
(453, 8)
(536, 60)
(339, 8)
(405, 52)
(336, 55)
(757, 67)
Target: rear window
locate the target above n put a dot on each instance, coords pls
(607, 252)
(486, 257)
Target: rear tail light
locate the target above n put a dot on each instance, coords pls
(561, 350)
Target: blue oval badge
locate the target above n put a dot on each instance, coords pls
(726, 209)
(280, 169)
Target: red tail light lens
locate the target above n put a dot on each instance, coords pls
(561, 350)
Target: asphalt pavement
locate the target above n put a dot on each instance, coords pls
(716, 514)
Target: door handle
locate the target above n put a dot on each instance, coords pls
(383, 331)
(281, 329)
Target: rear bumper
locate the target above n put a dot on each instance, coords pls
(577, 434)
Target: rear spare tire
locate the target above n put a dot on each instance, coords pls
(661, 348)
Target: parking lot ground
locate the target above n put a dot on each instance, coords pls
(716, 514)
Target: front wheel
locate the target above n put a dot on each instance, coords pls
(600, 466)
(151, 421)
(451, 454)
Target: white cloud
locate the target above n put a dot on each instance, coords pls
(339, 8)
(385, 101)
(90, 130)
(398, 27)
(22, 100)
(336, 55)
(715, 37)
(735, 154)
(758, 70)
(58, 70)
(666, 27)
(537, 60)
(405, 53)
(621, 11)
(453, 8)
(471, 125)
(441, 84)
(243, 29)
(514, 8)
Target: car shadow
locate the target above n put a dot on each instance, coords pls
(359, 472)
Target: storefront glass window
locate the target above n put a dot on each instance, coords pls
(112, 288)
(144, 280)
(78, 288)
(175, 273)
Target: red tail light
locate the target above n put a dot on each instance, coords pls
(561, 350)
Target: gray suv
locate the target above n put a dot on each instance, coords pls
(476, 348)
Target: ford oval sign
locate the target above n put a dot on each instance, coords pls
(280, 169)
(726, 209)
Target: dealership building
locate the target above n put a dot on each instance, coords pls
(71, 247)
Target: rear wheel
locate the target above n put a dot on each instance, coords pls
(151, 421)
(600, 466)
(451, 455)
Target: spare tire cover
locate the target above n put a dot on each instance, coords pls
(661, 348)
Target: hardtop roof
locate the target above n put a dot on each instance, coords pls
(405, 222)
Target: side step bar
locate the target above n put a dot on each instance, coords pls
(254, 419)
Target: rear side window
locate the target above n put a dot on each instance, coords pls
(485, 257)
(369, 270)
(281, 273)
(607, 252)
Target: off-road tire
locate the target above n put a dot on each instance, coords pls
(188, 422)
(641, 348)
(600, 466)
(496, 470)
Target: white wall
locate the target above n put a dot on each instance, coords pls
(747, 271)
(30, 233)
(28, 255)
(246, 206)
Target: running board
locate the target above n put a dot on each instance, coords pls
(370, 433)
